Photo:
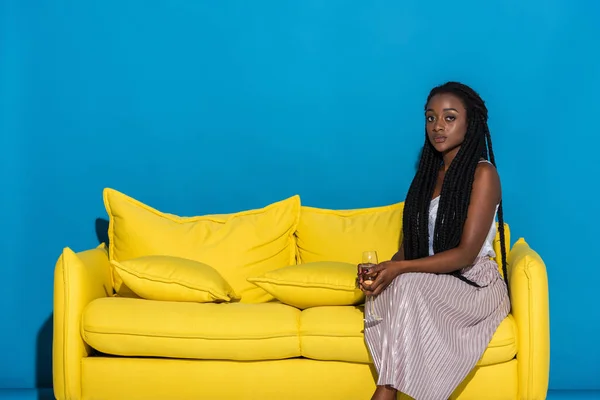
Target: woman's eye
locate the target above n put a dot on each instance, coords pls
(450, 118)
(429, 118)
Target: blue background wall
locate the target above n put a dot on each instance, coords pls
(203, 107)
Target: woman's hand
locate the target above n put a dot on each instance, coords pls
(384, 273)
(360, 283)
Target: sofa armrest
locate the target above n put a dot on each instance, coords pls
(528, 283)
(78, 279)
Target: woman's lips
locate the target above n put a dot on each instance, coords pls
(439, 139)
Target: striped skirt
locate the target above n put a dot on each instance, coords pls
(435, 328)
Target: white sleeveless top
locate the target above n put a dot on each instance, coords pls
(488, 246)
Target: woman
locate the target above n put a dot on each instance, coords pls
(441, 297)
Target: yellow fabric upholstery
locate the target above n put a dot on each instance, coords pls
(293, 379)
(342, 235)
(152, 349)
(529, 294)
(78, 279)
(128, 327)
(335, 333)
(174, 279)
(313, 284)
(237, 245)
(503, 346)
(492, 382)
(228, 331)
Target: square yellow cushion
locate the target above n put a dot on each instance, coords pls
(174, 279)
(342, 235)
(313, 284)
(237, 245)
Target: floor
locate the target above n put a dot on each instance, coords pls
(46, 394)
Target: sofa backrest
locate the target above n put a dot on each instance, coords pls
(247, 243)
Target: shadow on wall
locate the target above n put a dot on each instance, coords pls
(102, 231)
(43, 365)
(45, 394)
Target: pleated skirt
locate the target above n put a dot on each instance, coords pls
(435, 328)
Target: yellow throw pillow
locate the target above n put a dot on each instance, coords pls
(342, 235)
(324, 283)
(174, 279)
(238, 245)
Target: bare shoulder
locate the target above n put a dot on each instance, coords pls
(487, 180)
(486, 170)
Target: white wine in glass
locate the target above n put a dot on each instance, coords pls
(369, 260)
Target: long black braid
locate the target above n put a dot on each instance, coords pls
(458, 183)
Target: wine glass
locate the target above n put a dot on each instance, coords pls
(369, 260)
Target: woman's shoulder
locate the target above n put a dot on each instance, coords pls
(485, 167)
(486, 177)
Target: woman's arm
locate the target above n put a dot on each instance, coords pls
(399, 256)
(485, 196)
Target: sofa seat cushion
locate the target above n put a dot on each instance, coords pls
(336, 334)
(333, 333)
(226, 331)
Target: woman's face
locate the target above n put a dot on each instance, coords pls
(446, 122)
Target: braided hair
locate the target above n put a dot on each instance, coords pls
(458, 182)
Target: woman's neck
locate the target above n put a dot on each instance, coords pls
(448, 157)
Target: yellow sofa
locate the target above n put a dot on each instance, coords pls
(245, 335)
